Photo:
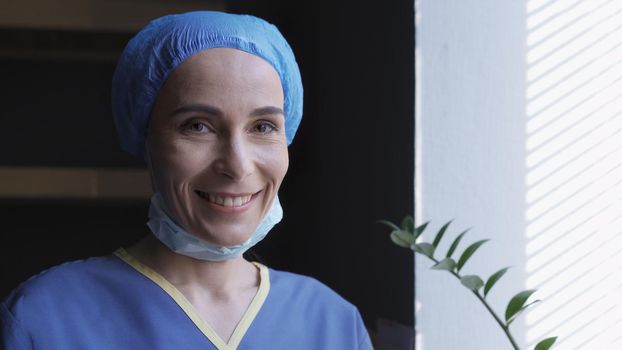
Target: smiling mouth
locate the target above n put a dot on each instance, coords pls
(227, 201)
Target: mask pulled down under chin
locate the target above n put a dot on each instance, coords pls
(182, 242)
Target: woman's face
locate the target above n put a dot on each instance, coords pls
(216, 145)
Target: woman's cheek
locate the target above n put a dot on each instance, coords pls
(183, 160)
(277, 160)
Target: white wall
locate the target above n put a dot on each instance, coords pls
(470, 167)
(574, 171)
(519, 115)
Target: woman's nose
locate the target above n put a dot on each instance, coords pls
(235, 161)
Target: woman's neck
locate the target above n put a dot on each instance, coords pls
(218, 278)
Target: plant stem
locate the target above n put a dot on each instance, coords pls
(506, 328)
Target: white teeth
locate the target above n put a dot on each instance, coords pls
(237, 201)
(226, 201)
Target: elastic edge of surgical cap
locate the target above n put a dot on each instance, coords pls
(151, 56)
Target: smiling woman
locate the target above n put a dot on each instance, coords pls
(216, 149)
(211, 101)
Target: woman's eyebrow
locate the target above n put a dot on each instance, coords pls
(268, 110)
(202, 108)
(215, 111)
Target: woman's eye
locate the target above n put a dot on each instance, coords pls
(264, 128)
(197, 127)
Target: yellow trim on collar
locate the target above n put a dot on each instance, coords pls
(190, 310)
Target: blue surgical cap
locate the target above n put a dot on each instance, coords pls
(150, 57)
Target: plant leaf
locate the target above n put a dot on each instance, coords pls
(419, 230)
(469, 252)
(517, 305)
(398, 238)
(408, 224)
(406, 236)
(447, 264)
(472, 282)
(389, 224)
(426, 249)
(455, 243)
(545, 344)
(493, 279)
(440, 234)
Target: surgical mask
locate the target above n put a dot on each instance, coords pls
(182, 242)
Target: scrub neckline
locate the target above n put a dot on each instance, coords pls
(192, 313)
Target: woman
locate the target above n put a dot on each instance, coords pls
(210, 101)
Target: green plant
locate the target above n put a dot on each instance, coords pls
(406, 235)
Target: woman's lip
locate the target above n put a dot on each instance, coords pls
(231, 194)
(227, 194)
(227, 209)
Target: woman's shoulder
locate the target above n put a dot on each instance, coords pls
(62, 281)
(305, 288)
(313, 312)
(56, 296)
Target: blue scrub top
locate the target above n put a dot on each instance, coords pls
(115, 302)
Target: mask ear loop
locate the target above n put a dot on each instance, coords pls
(147, 158)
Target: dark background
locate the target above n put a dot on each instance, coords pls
(350, 164)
